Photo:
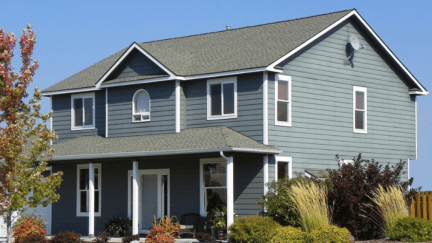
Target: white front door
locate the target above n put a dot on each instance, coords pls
(153, 187)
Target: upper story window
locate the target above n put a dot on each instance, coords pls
(141, 106)
(83, 111)
(222, 98)
(283, 100)
(360, 109)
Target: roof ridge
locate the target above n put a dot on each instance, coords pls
(245, 27)
(223, 135)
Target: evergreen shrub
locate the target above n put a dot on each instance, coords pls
(411, 230)
(254, 229)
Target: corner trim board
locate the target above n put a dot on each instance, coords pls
(265, 108)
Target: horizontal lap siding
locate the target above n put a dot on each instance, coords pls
(162, 110)
(249, 106)
(61, 105)
(322, 108)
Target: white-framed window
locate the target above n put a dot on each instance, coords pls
(141, 106)
(83, 196)
(222, 98)
(83, 111)
(283, 100)
(283, 167)
(360, 109)
(213, 185)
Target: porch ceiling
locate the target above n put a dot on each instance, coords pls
(188, 141)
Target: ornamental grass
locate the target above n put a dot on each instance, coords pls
(390, 204)
(311, 202)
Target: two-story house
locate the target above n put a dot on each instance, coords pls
(190, 124)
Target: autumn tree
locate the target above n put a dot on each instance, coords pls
(24, 134)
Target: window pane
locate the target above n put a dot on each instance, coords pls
(360, 100)
(359, 119)
(282, 109)
(215, 99)
(283, 90)
(88, 108)
(78, 106)
(137, 117)
(214, 175)
(96, 201)
(83, 202)
(282, 170)
(142, 102)
(215, 199)
(96, 179)
(228, 95)
(84, 179)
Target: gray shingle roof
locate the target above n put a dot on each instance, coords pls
(236, 49)
(192, 140)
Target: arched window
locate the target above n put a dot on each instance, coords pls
(141, 106)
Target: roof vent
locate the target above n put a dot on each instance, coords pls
(228, 27)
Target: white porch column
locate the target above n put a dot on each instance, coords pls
(135, 198)
(91, 200)
(230, 190)
(266, 173)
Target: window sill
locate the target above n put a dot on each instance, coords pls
(139, 121)
(283, 124)
(360, 131)
(86, 215)
(82, 128)
(221, 117)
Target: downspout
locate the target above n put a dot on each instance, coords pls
(223, 156)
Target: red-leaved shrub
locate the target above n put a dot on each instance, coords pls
(67, 237)
(163, 231)
(30, 227)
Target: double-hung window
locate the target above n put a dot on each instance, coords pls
(283, 167)
(213, 185)
(83, 111)
(283, 100)
(360, 109)
(222, 98)
(83, 195)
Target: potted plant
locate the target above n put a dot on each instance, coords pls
(219, 227)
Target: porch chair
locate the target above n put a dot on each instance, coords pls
(189, 224)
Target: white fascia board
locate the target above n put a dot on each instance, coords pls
(236, 72)
(366, 25)
(128, 51)
(157, 153)
(69, 91)
(145, 81)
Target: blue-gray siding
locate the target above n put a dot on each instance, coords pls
(184, 189)
(61, 105)
(249, 104)
(162, 110)
(322, 106)
(136, 64)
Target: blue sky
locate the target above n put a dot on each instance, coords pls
(72, 35)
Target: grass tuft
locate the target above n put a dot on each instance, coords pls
(311, 202)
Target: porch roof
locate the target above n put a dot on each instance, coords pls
(188, 141)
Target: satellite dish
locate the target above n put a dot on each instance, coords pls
(355, 43)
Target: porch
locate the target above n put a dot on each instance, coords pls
(218, 168)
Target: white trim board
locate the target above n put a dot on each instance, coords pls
(371, 31)
(129, 50)
(265, 108)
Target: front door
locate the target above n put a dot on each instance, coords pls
(153, 188)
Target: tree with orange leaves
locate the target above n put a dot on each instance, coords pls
(24, 135)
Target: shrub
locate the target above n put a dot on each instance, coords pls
(411, 230)
(329, 234)
(390, 204)
(204, 237)
(311, 202)
(278, 203)
(254, 229)
(29, 227)
(220, 222)
(118, 227)
(102, 238)
(67, 237)
(351, 185)
(163, 231)
(34, 239)
(130, 238)
(289, 234)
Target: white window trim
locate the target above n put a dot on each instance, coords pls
(202, 187)
(361, 89)
(221, 81)
(345, 162)
(82, 96)
(289, 79)
(140, 113)
(283, 159)
(86, 166)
